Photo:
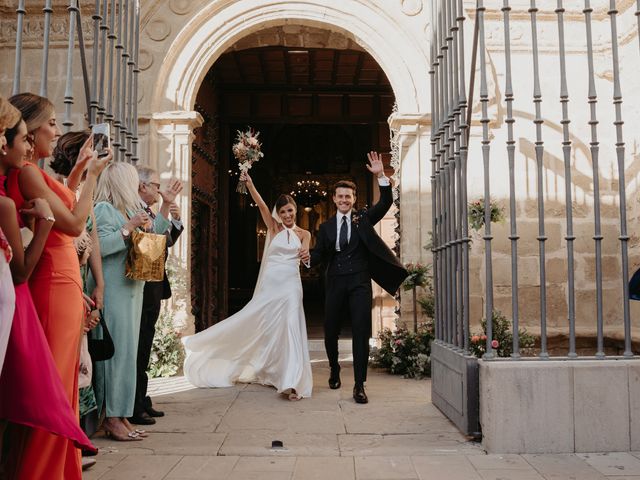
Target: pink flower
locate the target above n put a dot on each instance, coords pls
(483, 337)
(475, 339)
(494, 344)
(398, 342)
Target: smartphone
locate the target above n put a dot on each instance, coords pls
(101, 138)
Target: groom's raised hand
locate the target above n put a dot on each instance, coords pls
(375, 165)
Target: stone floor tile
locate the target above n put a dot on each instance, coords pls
(563, 467)
(621, 463)
(450, 467)
(265, 464)
(385, 468)
(507, 474)
(142, 467)
(324, 468)
(499, 462)
(102, 466)
(168, 443)
(260, 476)
(262, 411)
(410, 444)
(392, 417)
(257, 443)
(203, 468)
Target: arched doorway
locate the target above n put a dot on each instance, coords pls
(319, 110)
(214, 30)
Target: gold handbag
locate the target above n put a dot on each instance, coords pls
(145, 260)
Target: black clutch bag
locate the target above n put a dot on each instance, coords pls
(101, 349)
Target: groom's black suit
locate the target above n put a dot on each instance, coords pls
(348, 278)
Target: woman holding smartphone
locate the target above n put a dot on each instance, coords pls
(55, 284)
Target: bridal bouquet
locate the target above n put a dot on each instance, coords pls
(246, 150)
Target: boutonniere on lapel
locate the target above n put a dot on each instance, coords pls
(356, 216)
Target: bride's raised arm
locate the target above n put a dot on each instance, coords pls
(269, 221)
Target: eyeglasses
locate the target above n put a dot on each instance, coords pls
(157, 185)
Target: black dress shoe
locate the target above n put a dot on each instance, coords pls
(334, 379)
(358, 394)
(142, 419)
(154, 413)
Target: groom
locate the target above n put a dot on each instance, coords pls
(354, 254)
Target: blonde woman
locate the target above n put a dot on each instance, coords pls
(118, 212)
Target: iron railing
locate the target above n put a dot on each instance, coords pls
(111, 88)
(449, 156)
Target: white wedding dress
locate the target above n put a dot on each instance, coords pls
(266, 341)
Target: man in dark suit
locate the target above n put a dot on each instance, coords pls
(154, 293)
(354, 254)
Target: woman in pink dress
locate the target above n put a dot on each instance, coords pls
(31, 389)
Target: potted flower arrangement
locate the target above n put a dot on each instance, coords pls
(476, 213)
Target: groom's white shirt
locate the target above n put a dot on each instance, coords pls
(383, 182)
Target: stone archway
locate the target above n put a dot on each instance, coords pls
(219, 25)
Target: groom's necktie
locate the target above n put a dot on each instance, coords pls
(344, 240)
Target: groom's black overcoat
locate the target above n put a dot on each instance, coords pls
(348, 278)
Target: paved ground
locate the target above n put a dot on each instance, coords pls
(227, 434)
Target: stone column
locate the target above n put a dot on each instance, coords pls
(414, 136)
(169, 147)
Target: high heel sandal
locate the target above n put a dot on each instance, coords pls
(111, 433)
(140, 432)
(293, 396)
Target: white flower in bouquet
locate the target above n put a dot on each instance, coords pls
(246, 150)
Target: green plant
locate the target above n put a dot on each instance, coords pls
(476, 213)
(427, 303)
(167, 353)
(502, 338)
(418, 276)
(403, 352)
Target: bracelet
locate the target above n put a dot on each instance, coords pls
(48, 218)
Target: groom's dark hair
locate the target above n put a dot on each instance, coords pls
(283, 200)
(344, 184)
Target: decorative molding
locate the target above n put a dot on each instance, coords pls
(158, 30)
(181, 7)
(145, 59)
(33, 31)
(411, 7)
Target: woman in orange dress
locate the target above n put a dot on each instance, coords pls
(55, 284)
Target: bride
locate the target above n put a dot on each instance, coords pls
(266, 341)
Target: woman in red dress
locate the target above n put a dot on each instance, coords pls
(55, 284)
(29, 375)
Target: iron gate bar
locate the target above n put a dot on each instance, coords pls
(118, 62)
(129, 99)
(20, 12)
(620, 149)
(94, 102)
(488, 237)
(594, 146)
(539, 151)
(104, 30)
(83, 63)
(45, 51)
(136, 73)
(124, 55)
(112, 38)
(511, 148)
(464, 141)
(68, 91)
(566, 150)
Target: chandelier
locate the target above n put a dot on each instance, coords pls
(308, 193)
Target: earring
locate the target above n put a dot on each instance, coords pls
(2, 152)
